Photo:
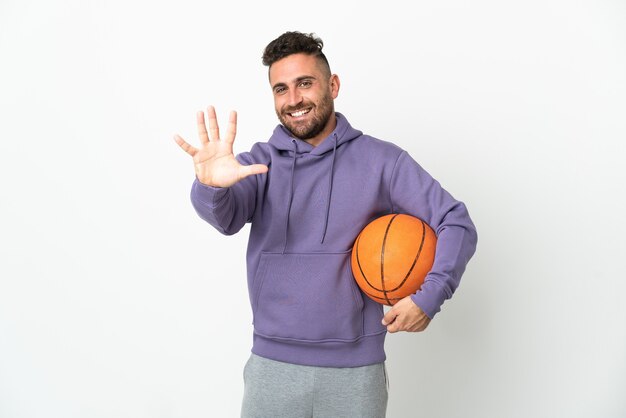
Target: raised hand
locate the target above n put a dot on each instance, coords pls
(214, 161)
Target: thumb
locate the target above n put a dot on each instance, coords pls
(249, 170)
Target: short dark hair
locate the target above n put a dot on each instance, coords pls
(294, 43)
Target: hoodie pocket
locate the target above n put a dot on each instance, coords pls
(307, 297)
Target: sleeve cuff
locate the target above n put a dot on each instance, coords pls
(207, 194)
(430, 298)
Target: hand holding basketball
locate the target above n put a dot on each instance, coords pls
(405, 316)
(215, 163)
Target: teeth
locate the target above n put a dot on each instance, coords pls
(299, 113)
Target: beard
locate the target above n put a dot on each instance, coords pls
(320, 114)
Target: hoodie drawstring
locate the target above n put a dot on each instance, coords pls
(330, 188)
(291, 187)
(293, 171)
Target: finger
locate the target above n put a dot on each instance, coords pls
(417, 327)
(232, 127)
(389, 317)
(185, 146)
(422, 326)
(214, 130)
(394, 327)
(250, 170)
(202, 133)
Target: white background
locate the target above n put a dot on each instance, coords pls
(116, 300)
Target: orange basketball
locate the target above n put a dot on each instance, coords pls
(391, 257)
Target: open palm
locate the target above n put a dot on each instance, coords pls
(214, 161)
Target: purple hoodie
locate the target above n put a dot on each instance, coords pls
(305, 215)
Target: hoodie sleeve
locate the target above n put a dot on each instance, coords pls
(415, 192)
(227, 209)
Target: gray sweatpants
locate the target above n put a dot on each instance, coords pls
(274, 389)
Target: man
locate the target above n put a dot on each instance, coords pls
(318, 347)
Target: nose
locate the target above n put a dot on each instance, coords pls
(295, 98)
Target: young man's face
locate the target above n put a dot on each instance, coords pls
(303, 96)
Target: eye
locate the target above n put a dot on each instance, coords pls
(280, 90)
(305, 84)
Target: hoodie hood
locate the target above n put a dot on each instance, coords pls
(281, 139)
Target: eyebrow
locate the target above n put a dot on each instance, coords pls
(297, 80)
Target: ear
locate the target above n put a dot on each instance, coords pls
(334, 85)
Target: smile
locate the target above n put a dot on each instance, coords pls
(299, 113)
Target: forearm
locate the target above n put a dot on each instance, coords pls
(456, 244)
(221, 207)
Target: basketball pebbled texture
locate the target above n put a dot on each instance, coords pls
(392, 256)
